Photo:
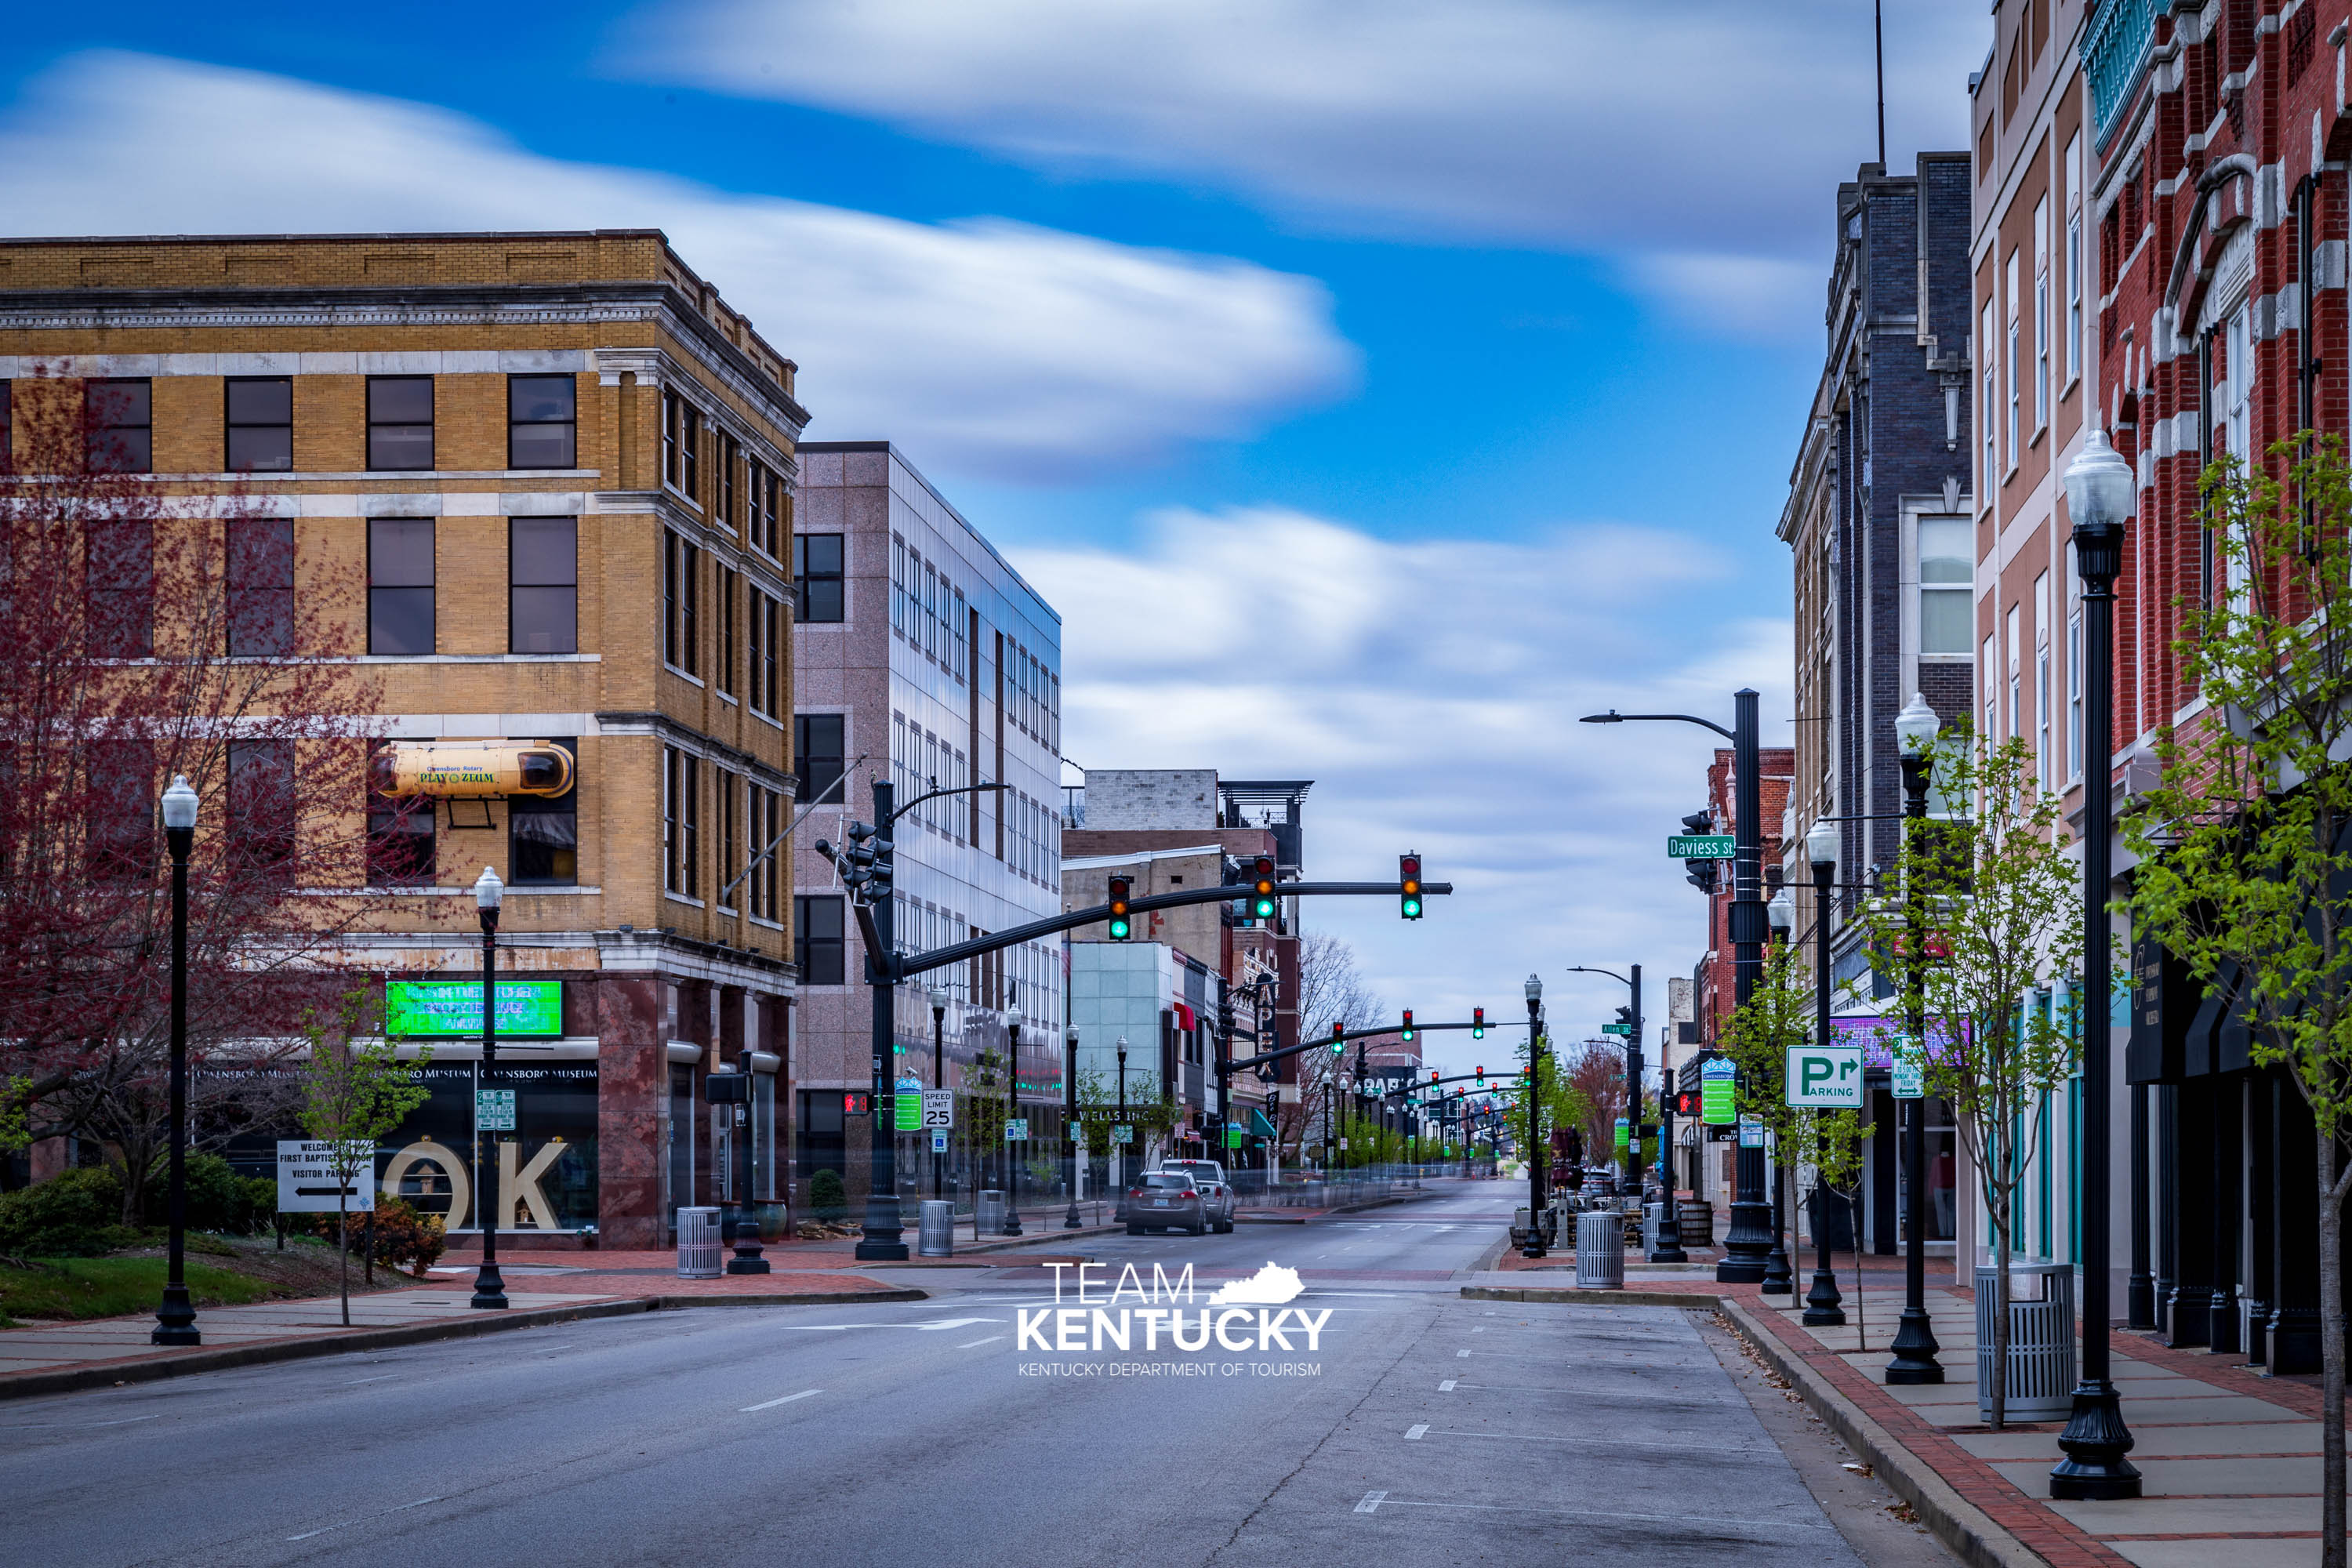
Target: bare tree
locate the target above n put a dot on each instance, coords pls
(1331, 990)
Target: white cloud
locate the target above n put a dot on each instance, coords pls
(986, 346)
(1710, 127)
(1432, 690)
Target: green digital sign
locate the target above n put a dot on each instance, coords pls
(452, 1009)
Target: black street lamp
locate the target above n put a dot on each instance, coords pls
(1915, 1345)
(1748, 1245)
(939, 1073)
(1121, 1140)
(1535, 1245)
(1012, 1022)
(1070, 1220)
(1669, 1248)
(489, 1288)
(1822, 1302)
(175, 1319)
(2100, 490)
(1780, 1280)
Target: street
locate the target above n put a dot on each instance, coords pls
(1421, 1425)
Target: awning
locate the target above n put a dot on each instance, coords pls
(1184, 1016)
(1259, 1124)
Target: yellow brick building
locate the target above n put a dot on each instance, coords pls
(555, 472)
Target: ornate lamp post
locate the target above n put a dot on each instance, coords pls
(938, 1072)
(489, 1288)
(1070, 1220)
(1012, 1022)
(1822, 1307)
(1535, 1245)
(1915, 1344)
(2100, 490)
(175, 1319)
(1779, 1280)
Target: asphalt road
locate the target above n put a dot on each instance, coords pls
(1420, 1427)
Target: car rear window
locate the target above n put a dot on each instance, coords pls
(1163, 1179)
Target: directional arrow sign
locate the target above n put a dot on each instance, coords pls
(1825, 1076)
(1701, 847)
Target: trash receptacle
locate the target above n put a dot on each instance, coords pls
(698, 1244)
(1653, 1216)
(1697, 1217)
(1601, 1251)
(2040, 1340)
(935, 1235)
(988, 1213)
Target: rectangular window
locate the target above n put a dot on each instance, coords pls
(962, 650)
(400, 585)
(2009, 367)
(261, 574)
(768, 820)
(1946, 584)
(399, 838)
(2016, 677)
(773, 505)
(2042, 314)
(260, 416)
(8, 427)
(682, 446)
(727, 789)
(731, 459)
(817, 945)
(544, 834)
(2074, 695)
(119, 812)
(1987, 414)
(2044, 758)
(2074, 172)
(261, 809)
(817, 754)
(817, 577)
(767, 648)
(119, 565)
(681, 823)
(728, 587)
(543, 422)
(681, 629)
(1992, 668)
(543, 585)
(400, 422)
(898, 584)
(121, 426)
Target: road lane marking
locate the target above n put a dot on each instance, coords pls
(970, 1343)
(1415, 1433)
(1445, 1387)
(1705, 1521)
(378, 1378)
(403, 1507)
(45, 1425)
(787, 1399)
(949, 1323)
(1462, 1354)
(1589, 1442)
(1371, 1503)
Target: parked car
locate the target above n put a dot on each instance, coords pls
(1166, 1200)
(1215, 1190)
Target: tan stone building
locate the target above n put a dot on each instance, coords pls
(545, 481)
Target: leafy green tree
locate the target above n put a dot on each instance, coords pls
(2246, 841)
(1999, 911)
(355, 1091)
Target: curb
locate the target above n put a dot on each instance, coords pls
(1570, 1295)
(1967, 1530)
(109, 1375)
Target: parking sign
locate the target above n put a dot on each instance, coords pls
(1826, 1076)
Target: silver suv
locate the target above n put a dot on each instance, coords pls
(1216, 1193)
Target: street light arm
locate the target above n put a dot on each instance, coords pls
(959, 789)
(1613, 717)
(840, 781)
(1591, 969)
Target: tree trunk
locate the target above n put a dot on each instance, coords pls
(2000, 1314)
(343, 1257)
(2331, 1357)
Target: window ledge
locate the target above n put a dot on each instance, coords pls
(553, 890)
(2072, 382)
(690, 679)
(764, 923)
(682, 898)
(309, 476)
(459, 658)
(766, 719)
(729, 698)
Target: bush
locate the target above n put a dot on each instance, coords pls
(75, 1214)
(828, 1199)
(218, 1198)
(404, 1237)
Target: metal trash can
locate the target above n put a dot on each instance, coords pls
(2040, 1340)
(698, 1244)
(1653, 1216)
(988, 1213)
(1697, 1217)
(1599, 1251)
(935, 1235)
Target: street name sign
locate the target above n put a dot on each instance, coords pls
(1616, 1028)
(1718, 1083)
(1826, 1076)
(1701, 847)
(939, 1109)
(494, 1110)
(307, 1183)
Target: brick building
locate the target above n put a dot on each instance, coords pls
(556, 471)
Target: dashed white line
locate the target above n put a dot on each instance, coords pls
(968, 1344)
(378, 1378)
(1462, 1354)
(1445, 1387)
(787, 1399)
(1415, 1433)
(1371, 1503)
(403, 1507)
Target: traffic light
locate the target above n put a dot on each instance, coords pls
(1338, 1038)
(1477, 1023)
(1122, 926)
(1409, 877)
(1407, 1032)
(1626, 1016)
(1433, 1078)
(1262, 901)
(1482, 1080)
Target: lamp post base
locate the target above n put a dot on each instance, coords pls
(1779, 1280)
(490, 1288)
(2095, 1441)
(1747, 1245)
(750, 1254)
(1825, 1307)
(1915, 1349)
(1670, 1239)
(175, 1320)
(2140, 1302)
(882, 1230)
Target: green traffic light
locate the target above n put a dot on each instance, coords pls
(1413, 908)
(1262, 908)
(1119, 931)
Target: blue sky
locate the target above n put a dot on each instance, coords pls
(1468, 342)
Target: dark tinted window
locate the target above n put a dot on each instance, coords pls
(816, 575)
(121, 421)
(543, 592)
(260, 585)
(400, 422)
(544, 834)
(817, 940)
(121, 562)
(120, 828)
(261, 808)
(260, 423)
(817, 754)
(540, 415)
(400, 585)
